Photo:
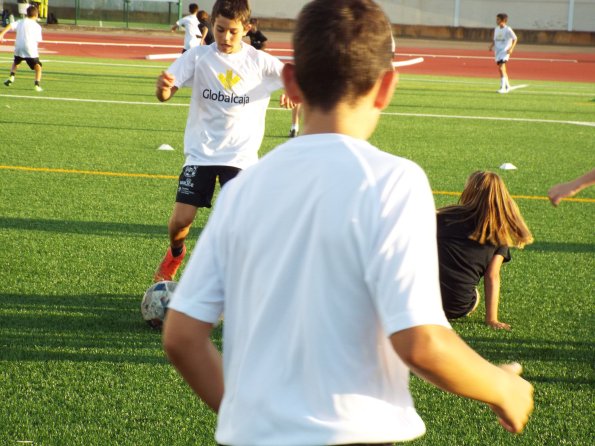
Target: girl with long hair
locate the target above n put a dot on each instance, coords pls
(474, 240)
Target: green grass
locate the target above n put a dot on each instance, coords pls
(78, 366)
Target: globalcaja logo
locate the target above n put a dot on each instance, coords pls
(228, 80)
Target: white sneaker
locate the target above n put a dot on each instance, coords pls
(38, 88)
(503, 90)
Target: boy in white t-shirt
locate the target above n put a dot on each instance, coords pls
(231, 86)
(323, 258)
(503, 45)
(25, 46)
(192, 35)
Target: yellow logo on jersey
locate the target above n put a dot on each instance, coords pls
(228, 80)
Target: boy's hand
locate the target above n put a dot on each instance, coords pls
(165, 88)
(513, 413)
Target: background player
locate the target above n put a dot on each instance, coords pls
(503, 45)
(26, 46)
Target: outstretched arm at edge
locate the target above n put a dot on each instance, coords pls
(438, 355)
(570, 189)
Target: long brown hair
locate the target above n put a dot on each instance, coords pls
(497, 217)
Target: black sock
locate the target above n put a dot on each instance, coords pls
(12, 73)
(177, 251)
(37, 83)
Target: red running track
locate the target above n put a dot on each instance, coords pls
(561, 64)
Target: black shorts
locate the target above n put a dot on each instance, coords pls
(31, 61)
(196, 184)
(501, 61)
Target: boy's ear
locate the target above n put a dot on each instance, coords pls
(388, 83)
(292, 90)
(247, 28)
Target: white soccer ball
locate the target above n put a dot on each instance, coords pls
(155, 301)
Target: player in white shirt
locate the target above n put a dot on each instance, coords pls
(192, 35)
(503, 45)
(231, 86)
(26, 46)
(322, 257)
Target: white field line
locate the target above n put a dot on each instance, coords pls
(449, 56)
(125, 45)
(416, 115)
(72, 62)
(443, 56)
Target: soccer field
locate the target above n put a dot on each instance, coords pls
(84, 200)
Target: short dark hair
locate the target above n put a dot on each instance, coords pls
(32, 11)
(192, 7)
(341, 47)
(233, 10)
(502, 16)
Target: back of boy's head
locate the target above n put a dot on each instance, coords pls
(202, 15)
(32, 12)
(232, 10)
(341, 47)
(193, 8)
(502, 16)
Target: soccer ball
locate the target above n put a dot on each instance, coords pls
(155, 301)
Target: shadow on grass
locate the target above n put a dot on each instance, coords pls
(561, 247)
(88, 227)
(87, 327)
(566, 353)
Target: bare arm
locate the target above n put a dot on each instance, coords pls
(188, 346)
(439, 356)
(204, 31)
(491, 283)
(174, 28)
(570, 189)
(4, 31)
(511, 49)
(165, 88)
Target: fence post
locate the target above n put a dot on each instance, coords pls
(570, 15)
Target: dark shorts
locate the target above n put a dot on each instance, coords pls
(501, 61)
(31, 61)
(196, 184)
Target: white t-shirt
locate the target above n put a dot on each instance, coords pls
(503, 38)
(28, 37)
(192, 34)
(317, 254)
(230, 95)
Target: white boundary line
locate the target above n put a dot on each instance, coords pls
(415, 115)
(289, 50)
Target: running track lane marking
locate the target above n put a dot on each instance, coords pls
(416, 115)
(289, 50)
(173, 177)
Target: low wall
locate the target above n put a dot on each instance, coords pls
(550, 37)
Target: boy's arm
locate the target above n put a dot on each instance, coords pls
(438, 355)
(511, 49)
(165, 87)
(174, 27)
(189, 348)
(4, 31)
(491, 283)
